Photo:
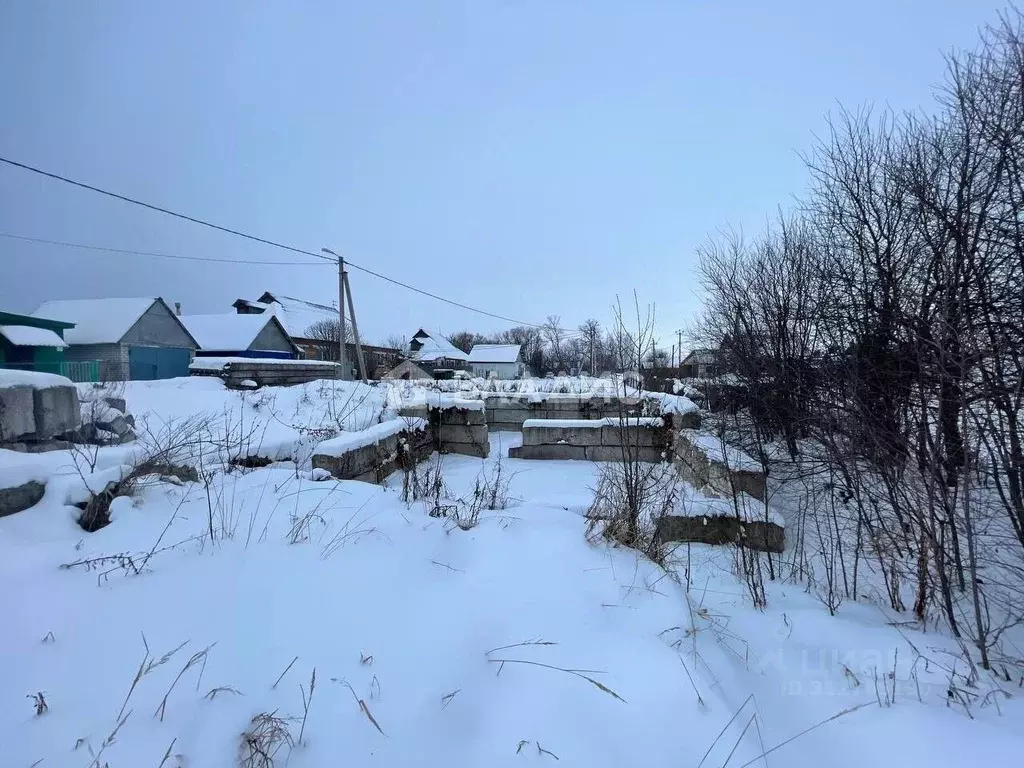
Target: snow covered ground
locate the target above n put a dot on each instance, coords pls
(515, 642)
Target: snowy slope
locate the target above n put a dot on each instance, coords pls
(456, 642)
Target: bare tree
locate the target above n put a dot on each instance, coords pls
(325, 334)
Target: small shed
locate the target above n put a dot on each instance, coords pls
(136, 338)
(246, 335)
(498, 361)
(32, 343)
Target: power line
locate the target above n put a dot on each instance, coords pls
(254, 238)
(161, 255)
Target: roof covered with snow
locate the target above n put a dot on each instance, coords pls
(226, 332)
(435, 347)
(26, 336)
(296, 315)
(97, 321)
(494, 353)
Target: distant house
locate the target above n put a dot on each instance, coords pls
(499, 361)
(435, 354)
(227, 335)
(137, 339)
(314, 328)
(700, 364)
(33, 343)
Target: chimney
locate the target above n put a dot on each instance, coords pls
(177, 308)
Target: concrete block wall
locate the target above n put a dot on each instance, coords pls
(607, 439)
(454, 429)
(279, 373)
(376, 462)
(507, 412)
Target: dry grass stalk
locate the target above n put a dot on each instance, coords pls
(39, 701)
(265, 737)
(362, 705)
(281, 676)
(198, 658)
(213, 692)
(307, 702)
(447, 698)
(580, 673)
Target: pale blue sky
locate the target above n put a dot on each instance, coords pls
(531, 157)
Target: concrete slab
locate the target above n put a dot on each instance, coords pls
(17, 412)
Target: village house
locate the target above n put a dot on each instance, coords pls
(227, 335)
(314, 329)
(136, 338)
(35, 344)
(436, 355)
(497, 361)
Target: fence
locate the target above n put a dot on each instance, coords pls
(78, 371)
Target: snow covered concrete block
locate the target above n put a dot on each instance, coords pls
(760, 535)
(17, 412)
(706, 463)
(574, 452)
(56, 410)
(20, 497)
(560, 432)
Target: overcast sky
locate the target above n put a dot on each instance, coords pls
(528, 157)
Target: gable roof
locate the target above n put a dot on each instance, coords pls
(701, 357)
(28, 336)
(99, 321)
(434, 347)
(494, 353)
(230, 332)
(296, 315)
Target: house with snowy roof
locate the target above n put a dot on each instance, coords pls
(435, 354)
(136, 338)
(246, 335)
(33, 343)
(314, 329)
(497, 361)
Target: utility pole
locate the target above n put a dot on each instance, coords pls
(355, 330)
(679, 334)
(342, 352)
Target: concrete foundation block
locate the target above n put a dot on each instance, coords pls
(17, 413)
(616, 453)
(477, 450)
(562, 404)
(20, 497)
(757, 535)
(56, 410)
(557, 435)
(576, 452)
(413, 412)
(635, 435)
(461, 433)
(456, 416)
